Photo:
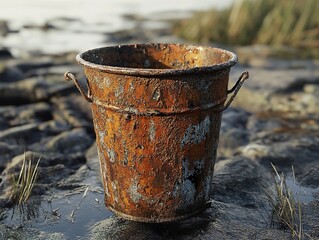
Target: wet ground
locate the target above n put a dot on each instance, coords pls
(72, 213)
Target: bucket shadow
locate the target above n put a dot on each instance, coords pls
(117, 228)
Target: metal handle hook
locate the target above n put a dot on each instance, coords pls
(69, 76)
(235, 89)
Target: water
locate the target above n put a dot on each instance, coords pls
(21, 12)
(72, 214)
(305, 195)
(84, 24)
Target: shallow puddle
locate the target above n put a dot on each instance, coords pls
(304, 194)
(71, 215)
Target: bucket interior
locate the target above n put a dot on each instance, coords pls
(158, 56)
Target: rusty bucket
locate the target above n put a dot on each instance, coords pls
(157, 112)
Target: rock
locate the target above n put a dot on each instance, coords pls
(10, 74)
(7, 152)
(92, 158)
(32, 63)
(25, 114)
(271, 90)
(19, 132)
(5, 54)
(33, 113)
(3, 123)
(33, 89)
(297, 152)
(4, 28)
(221, 221)
(273, 57)
(74, 110)
(311, 88)
(54, 127)
(76, 140)
(233, 133)
(265, 122)
(115, 228)
(16, 162)
(74, 180)
(7, 233)
(237, 181)
(56, 70)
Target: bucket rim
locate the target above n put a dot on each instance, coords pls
(157, 71)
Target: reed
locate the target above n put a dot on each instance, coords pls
(272, 22)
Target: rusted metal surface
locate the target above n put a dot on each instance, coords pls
(157, 113)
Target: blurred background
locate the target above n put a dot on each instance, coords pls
(55, 26)
(290, 27)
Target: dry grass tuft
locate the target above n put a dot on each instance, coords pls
(22, 187)
(286, 210)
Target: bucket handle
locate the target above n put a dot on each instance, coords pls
(234, 90)
(69, 76)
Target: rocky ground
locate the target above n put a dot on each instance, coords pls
(274, 119)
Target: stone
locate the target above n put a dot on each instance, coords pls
(4, 28)
(311, 88)
(33, 89)
(74, 110)
(273, 57)
(56, 70)
(26, 65)
(27, 113)
(233, 133)
(54, 127)
(10, 74)
(16, 162)
(221, 221)
(7, 233)
(237, 181)
(19, 132)
(270, 90)
(76, 140)
(7, 152)
(5, 54)
(3, 124)
(301, 152)
(92, 158)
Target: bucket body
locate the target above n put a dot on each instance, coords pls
(157, 112)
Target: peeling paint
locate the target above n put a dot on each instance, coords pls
(111, 154)
(195, 134)
(152, 130)
(156, 94)
(106, 189)
(101, 136)
(199, 165)
(177, 189)
(125, 160)
(147, 63)
(207, 186)
(115, 192)
(188, 191)
(133, 191)
(107, 81)
(119, 91)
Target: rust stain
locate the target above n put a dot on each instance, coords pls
(157, 114)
